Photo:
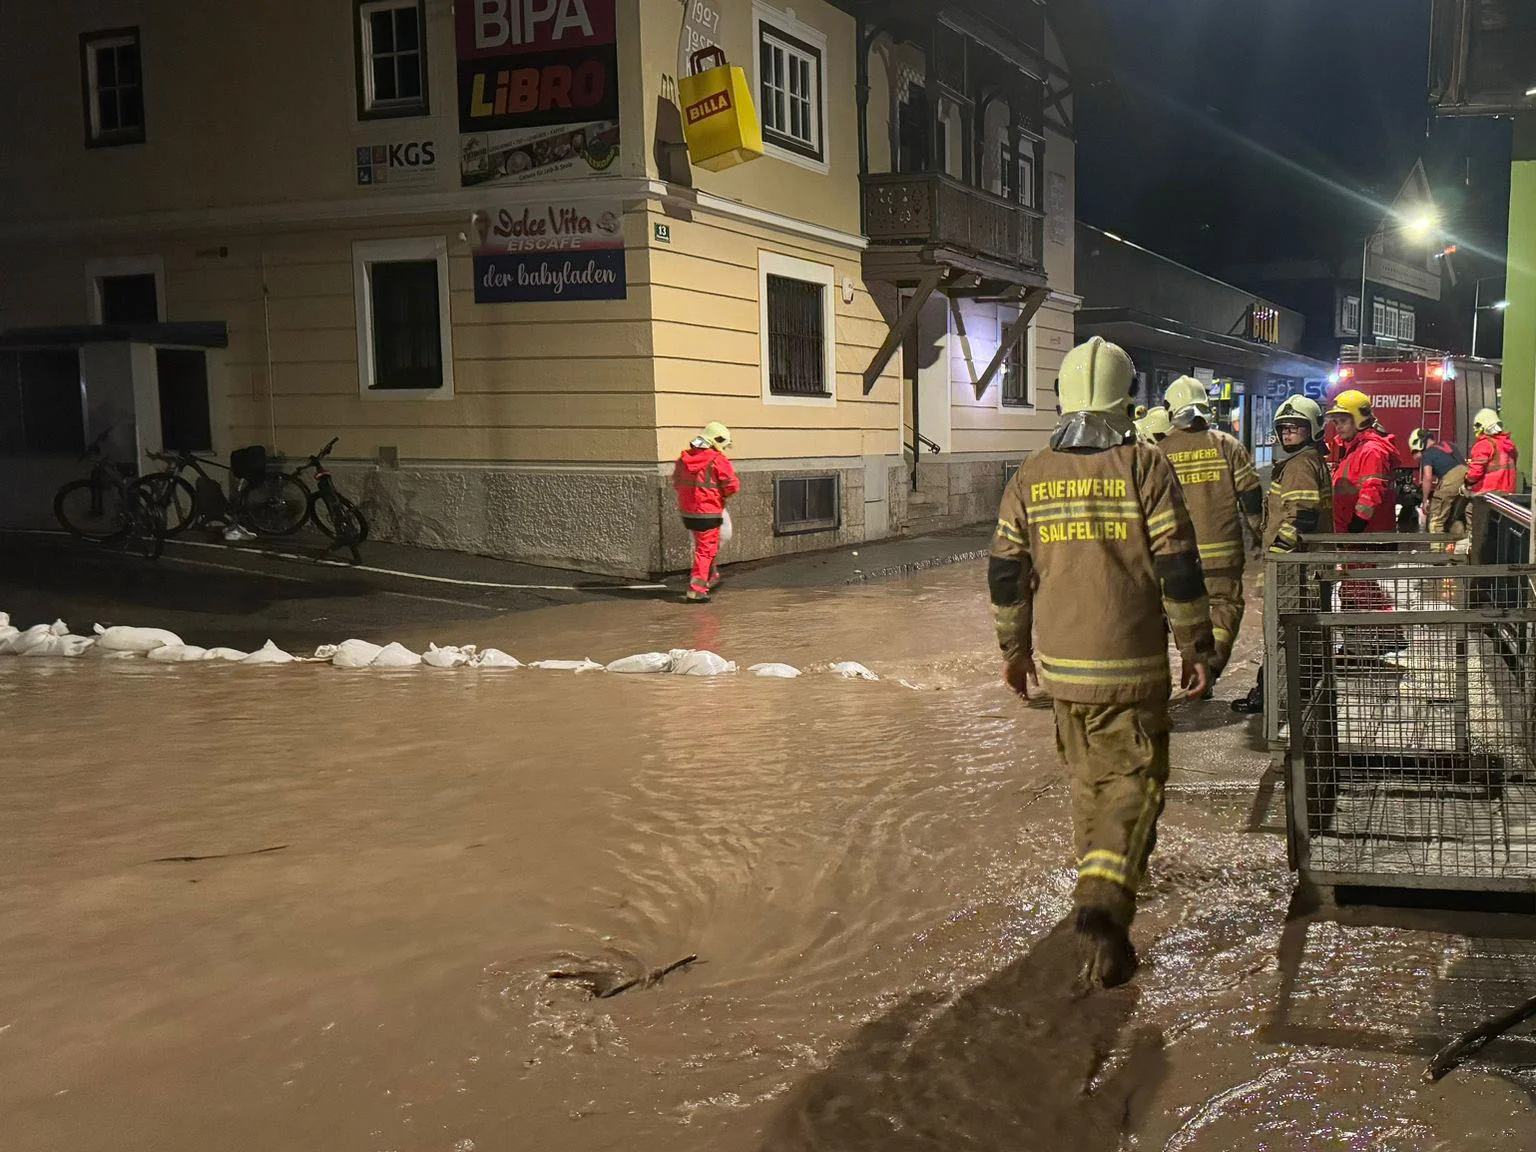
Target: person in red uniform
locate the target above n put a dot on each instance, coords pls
(1364, 499)
(705, 480)
(1493, 464)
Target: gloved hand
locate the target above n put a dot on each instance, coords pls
(1358, 523)
(1464, 492)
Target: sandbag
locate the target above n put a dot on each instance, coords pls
(852, 670)
(40, 638)
(567, 665)
(689, 663)
(445, 658)
(268, 654)
(125, 639)
(178, 654)
(775, 671)
(232, 655)
(495, 658)
(355, 654)
(396, 656)
(647, 663)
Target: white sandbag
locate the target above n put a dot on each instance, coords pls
(774, 671)
(38, 636)
(233, 655)
(450, 657)
(121, 655)
(7, 634)
(726, 529)
(396, 656)
(326, 652)
(5, 619)
(178, 654)
(852, 670)
(125, 639)
(495, 658)
(355, 654)
(567, 665)
(689, 663)
(268, 654)
(646, 664)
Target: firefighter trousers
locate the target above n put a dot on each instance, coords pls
(1440, 515)
(1224, 589)
(706, 549)
(1117, 758)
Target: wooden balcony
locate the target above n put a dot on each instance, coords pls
(919, 221)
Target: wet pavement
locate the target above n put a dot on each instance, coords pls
(305, 908)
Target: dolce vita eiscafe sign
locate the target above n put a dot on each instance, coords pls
(550, 250)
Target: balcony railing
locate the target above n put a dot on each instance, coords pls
(927, 209)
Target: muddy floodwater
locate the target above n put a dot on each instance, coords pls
(303, 908)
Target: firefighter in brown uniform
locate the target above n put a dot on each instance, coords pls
(1222, 491)
(1300, 499)
(1093, 547)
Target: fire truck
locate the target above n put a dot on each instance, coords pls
(1412, 388)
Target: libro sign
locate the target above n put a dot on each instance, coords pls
(538, 89)
(552, 250)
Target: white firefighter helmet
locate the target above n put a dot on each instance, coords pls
(1486, 423)
(716, 435)
(1187, 393)
(1154, 425)
(1300, 410)
(1096, 377)
(1418, 440)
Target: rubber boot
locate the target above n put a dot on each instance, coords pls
(1109, 958)
(1253, 703)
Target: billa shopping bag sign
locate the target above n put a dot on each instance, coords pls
(538, 89)
(551, 250)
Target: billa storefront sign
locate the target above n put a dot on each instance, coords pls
(551, 250)
(538, 89)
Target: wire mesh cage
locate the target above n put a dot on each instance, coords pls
(1295, 582)
(1412, 737)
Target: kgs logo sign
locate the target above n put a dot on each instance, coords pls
(412, 160)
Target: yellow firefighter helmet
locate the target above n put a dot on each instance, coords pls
(1300, 410)
(1096, 377)
(1487, 423)
(1354, 404)
(717, 434)
(1187, 393)
(1154, 425)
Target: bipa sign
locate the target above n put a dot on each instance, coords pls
(498, 27)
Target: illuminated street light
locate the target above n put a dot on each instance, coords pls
(1500, 305)
(1422, 225)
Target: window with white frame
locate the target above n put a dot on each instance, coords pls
(1349, 316)
(1405, 324)
(790, 82)
(112, 82)
(391, 59)
(404, 331)
(1378, 317)
(797, 314)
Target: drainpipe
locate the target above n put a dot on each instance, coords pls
(861, 91)
(266, 323)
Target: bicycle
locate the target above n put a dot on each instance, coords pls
(106, 507)
(329, 510)
(273, 505)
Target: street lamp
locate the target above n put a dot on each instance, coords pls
(1478, 306)
(1418, 227)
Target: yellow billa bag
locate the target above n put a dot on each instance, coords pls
(719, 118)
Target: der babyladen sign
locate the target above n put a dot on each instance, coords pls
(551, 250)
(538, 89)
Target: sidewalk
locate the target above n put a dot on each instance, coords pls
(294, 591)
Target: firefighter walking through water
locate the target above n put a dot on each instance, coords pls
(1363, 496)
(1093, 547)
(1222, 492)
(705, 480)
(1493, 465)
(1300, 498)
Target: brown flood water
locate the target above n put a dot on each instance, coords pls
(868, 874)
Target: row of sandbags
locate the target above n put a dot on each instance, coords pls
(164, 647)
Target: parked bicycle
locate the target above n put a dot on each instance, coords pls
(329, 510)
(107, 508)
(261, 499)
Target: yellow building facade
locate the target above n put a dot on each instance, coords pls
(469, 241)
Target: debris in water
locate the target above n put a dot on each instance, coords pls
(1469, 1043)
(217, 855)
(852, 670)
(604, 985)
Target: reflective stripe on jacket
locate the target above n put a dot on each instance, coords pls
(704, 480)
(1493, 465)
(1221, 490)
(1300, 499)
(1362, 483)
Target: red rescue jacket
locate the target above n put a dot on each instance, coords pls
(1362, 482)
(704, 480)
(1492, 465)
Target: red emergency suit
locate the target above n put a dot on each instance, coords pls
(704, 480)
(1362, 482)
(1492, 465)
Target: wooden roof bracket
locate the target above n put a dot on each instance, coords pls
(903, 327)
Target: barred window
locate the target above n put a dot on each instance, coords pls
(796, 338)
(806, 504)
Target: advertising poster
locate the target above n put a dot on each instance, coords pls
(552, 250)
(538, 89)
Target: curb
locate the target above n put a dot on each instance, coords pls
(917, 566)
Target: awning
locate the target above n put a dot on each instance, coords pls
(197, 334)
(1132, 329)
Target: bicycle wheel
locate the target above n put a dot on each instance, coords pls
(173, 496)
(321, 515)
(92, 510)
(275, 506)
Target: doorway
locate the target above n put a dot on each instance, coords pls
(185, 419)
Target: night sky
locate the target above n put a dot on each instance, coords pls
(1271, 129)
